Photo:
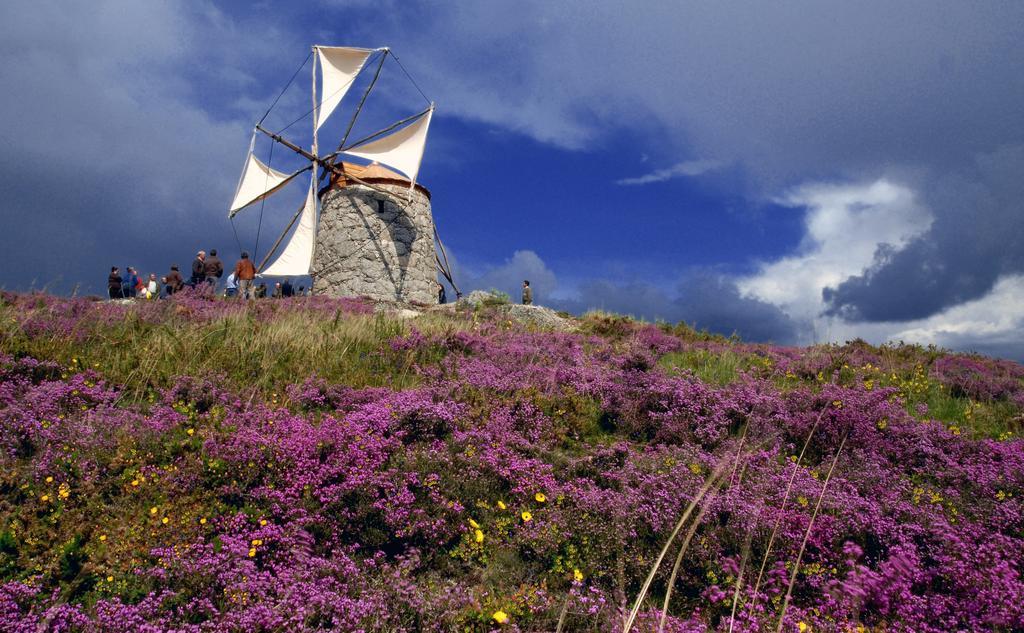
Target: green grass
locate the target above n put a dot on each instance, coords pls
(717, 369)
(977, 419)
(249, 354)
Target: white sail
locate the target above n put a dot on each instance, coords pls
(402, 150)
(297, 256)
(257, 181)
(339, 66)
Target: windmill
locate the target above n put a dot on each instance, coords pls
(362, 230)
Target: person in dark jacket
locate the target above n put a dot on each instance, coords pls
(442, 297)
(114, 283)
(527, 293)
(174, 280)
(198, 269)
(287, 290)
(213, 268)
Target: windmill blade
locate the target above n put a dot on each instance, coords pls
(258, 181)
(339, 66)
(297, 256)
(401, 150)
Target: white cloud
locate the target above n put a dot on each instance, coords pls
(508, 277)
(993, 320)
(845, 226)
(687, 168)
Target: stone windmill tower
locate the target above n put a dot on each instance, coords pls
(376, 239)
(370, 231)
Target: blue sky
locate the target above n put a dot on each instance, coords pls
(795, 172)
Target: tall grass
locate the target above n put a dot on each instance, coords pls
(249, 353)
(718, 368)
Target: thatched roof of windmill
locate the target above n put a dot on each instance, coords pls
(374, 174)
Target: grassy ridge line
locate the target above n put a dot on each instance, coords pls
(249, 353)
(257, 349)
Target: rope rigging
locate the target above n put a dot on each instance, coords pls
(286, 86)
(326, 97)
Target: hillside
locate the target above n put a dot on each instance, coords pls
(306, 464)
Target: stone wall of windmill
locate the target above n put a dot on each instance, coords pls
(375, 240)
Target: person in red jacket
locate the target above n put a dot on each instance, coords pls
(245, 272)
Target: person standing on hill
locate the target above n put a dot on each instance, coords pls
(527, 293)
(287, 290)
(153, 287)
(174, 280)
(198, 269)
(245, 272)
(213, 268)
(231, 286)
(130, 282)
(114, 283)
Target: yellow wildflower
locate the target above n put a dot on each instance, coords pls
(153, 510)
(802, 626)
(252, 552)
(64, 491)
(802, 500)
(695, 469)
(165, 520)
(103, 537)
(135, 482)
(500, 617)
(263, 522)
(49, 480)
(202, 521)
(540, 497)
(1000, 495)
(191, 431)
(527, 516)
(884, 422)
(110, 579)
(46, 497)
(479, 535)
(577, 575)
(473, 524)
(501, 505)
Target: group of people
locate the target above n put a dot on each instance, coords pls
(207, 270)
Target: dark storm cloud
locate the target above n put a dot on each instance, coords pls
(107, 154)
(976, 237)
